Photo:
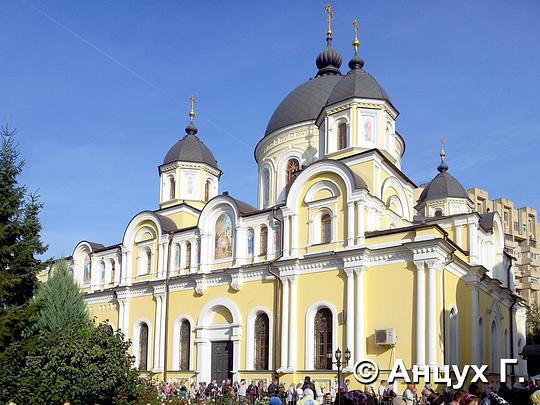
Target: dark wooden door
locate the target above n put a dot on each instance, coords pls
(222, 360)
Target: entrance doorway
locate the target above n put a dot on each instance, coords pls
(222, 360)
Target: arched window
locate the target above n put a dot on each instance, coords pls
(323, 339)
(143, 347)
(453, 356)
(262, 328)
(177, 256)
(326, 228)
(148, 255)
(102, 272)
(185, 344)
(481, 337)
(266, 188)
(172, 188)
(250, 237)
(494, 340)
(87, 270)
(264, 241)
(342, 135)
(438, 213)
(188, 255)
(292, 167)
(207, 189)
(223, 239)
(113, 270)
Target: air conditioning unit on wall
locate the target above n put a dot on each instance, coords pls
(385, 336)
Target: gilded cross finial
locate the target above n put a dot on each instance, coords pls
(328, 9)
(355, 43)
(192, 111)
(443, 153)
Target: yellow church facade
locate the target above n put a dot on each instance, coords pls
(337, 253)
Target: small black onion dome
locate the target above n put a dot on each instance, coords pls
(356, 62)
(190, 149)
(191, 129)
(444, 185)
(329, 60)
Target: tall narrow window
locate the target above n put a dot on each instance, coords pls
(177, 256)
(264, 241)
(188, 255)
(453, 337)
(172, 188)
(323, 339)
(87, 270)
(113, 270)
(250, 237)
(185, 337)
(143, 347)
(292, 167)
(266, 188)
(148, 255)
(102, 272)
(207, 189)
(342, 135)
(262, 327)
(326, 228)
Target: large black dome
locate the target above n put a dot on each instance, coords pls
(190, 149)
(304, 103)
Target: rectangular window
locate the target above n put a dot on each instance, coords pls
(516, 226)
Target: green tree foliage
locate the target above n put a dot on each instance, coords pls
(20, 244)
(82, 366)
(61, 302)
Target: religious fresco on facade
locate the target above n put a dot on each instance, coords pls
(223, 238)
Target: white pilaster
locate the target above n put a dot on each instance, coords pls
(294, 235)
(349, 313)
(433, 266)
(157, 331)
(360, 239)
(286, 239)
(360, 344)
(350, 224)
(293, 324)
(285, 325)
(473, 242)
(420, 313)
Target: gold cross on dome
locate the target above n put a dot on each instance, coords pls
(328, 9)
(443, 153)
(355, 43)
(192, 111)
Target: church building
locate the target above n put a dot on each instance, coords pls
(337, 254)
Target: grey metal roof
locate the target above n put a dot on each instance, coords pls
(486, 221)
(304, 103)
(357, 83)
(444, 185)
(190, 149)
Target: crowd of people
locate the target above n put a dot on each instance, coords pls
(307, 392)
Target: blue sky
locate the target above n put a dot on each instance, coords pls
(98, 92)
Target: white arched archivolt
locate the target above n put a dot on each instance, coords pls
(135, 347)
(311, 194)
(281, 177)
(394, 183)
(176, 342)
(310, 331)
(206, 333)
(81, 257)
(250, 342)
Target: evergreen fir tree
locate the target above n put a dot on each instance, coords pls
(20, 243)
(20, 229)
(61, 304)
